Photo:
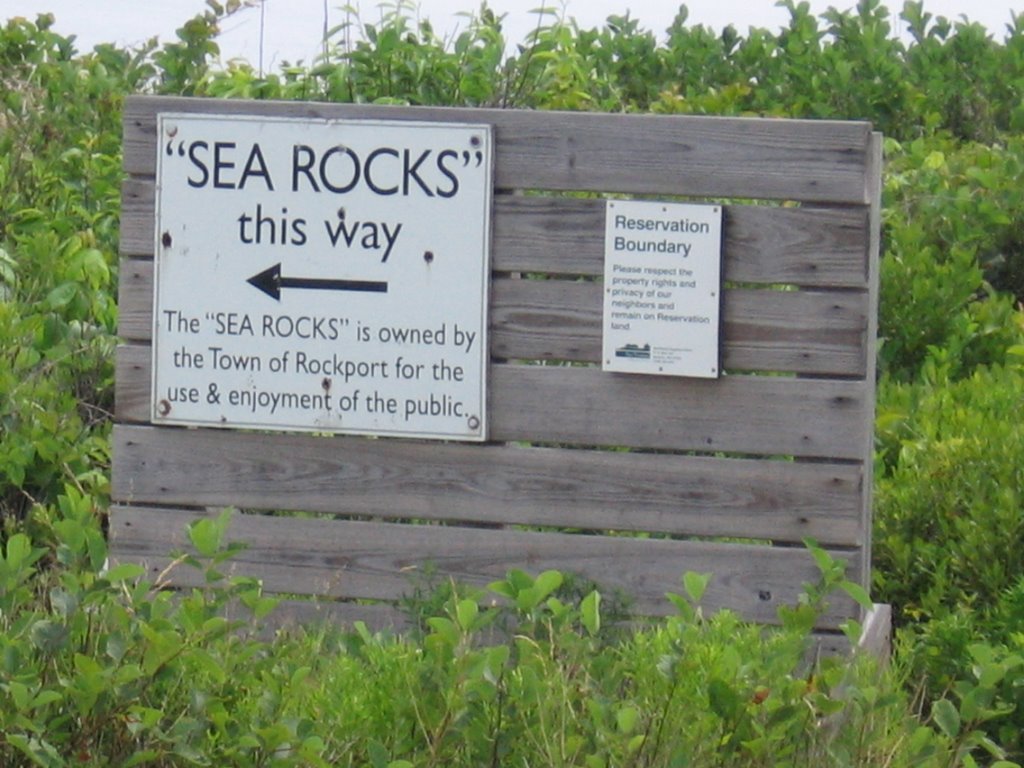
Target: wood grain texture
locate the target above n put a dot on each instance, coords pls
(739, 414)
(875, 160)
(819, 412)
(807, 332)
(811, 247)
(876, 637)
(492, 484)
(311, 613)
(760, 415)
(801, 160)
(368, 560)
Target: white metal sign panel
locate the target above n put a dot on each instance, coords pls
(327, 276)
(662, 287)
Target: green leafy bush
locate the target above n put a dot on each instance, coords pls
(98, 668)
(949, 533)
(949, 530)
(93, 665)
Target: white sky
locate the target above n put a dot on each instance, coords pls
(292, 28)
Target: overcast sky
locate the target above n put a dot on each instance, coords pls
(292, 28)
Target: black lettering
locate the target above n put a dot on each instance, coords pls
(356, 170)
(369, 164)
(219, 164)
(411, 171)
(199, 164)
(454, 189)
(308, 160)
(256, 158)
(243, 220)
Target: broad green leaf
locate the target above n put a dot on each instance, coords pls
(858, 593)
(590, 612)
(466, 612)
(62, 295)
(626, 719)
(696, 584)
(723, 699)
(546, 583)
(50, 637)
(946, 717)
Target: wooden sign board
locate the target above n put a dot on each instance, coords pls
(726, 475)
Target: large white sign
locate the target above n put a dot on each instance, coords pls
(327, 276)
(662, 288)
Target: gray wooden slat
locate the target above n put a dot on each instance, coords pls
(875, 160)
(807, 332)
(310, 613)
(138, 217)
(135, 299)
(822, 247)
(764, 415)
(368, 560)
(742, 414)
(812, 247)
(802, 160)
(493, 484)
(876, 637)
(132, 382)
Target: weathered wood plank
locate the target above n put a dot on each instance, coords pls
(822, 247)
(138, 217)
(875, 160)
(763, 415)
(807, 332)
(493, 484)
(741, 414)
(365, 560)
(803, 160)
(310, 613)
(811, 247)
(876, 637)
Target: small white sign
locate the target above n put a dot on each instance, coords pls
(662, 288)
(322, 275)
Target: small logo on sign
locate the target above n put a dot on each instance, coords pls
(634, 351)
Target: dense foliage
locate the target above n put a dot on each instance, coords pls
(99, 668)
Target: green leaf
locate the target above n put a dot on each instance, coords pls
(626, 719)
(696, 584)
(724, 700)
(207, 534)
(62, 295)
(444, 628)
(50, 637)
(466, 612)
(41, 752)
(378, 754)
(590, 613)
(547, 583)
(946, 717)
(858, 593)
(20, 553)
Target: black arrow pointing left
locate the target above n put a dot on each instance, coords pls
(271, 282)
